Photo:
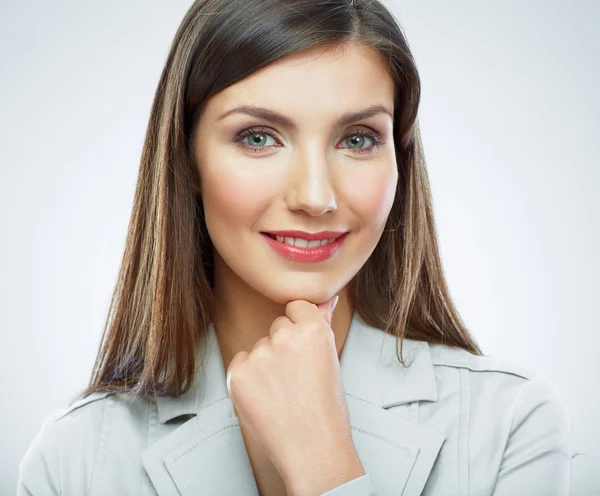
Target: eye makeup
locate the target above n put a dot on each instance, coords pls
(258, 131)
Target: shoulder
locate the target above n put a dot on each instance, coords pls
(447, 356)
(72, 437)
(81, 414)
(494, 378)
(525, 403)
(492, 382)
(62, 430)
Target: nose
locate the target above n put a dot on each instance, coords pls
(310, 188)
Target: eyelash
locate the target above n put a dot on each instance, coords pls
(258, 149)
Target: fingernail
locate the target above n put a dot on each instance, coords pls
(333, 303)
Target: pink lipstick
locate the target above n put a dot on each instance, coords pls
(305, 254)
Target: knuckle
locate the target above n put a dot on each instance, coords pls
(281, 336)
(313, 327)
(278, 322)
(261, 352)
(261, 347)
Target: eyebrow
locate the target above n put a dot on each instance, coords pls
(286, 122)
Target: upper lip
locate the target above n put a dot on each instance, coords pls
(308, 236)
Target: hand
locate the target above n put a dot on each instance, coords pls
(288, 393)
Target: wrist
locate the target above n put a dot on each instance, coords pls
(324, 474)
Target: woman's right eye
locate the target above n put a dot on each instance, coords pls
(258, 139)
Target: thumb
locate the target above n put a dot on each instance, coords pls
(327, 307)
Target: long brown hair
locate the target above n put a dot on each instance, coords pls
(163, 301)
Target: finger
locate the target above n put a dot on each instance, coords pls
(279, 323)
(302, 310)
(328, 307)
(238, 358)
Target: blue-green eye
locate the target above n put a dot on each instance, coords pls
(356, 140)
(258, 138)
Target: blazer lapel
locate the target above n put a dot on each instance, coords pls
(397, 453)
(207, 455)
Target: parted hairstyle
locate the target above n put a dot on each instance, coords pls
(163, 301)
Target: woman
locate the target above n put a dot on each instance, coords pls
(282, 174)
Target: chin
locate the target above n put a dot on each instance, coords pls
(306, 292)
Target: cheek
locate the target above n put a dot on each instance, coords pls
(371, 194)
(234, 195)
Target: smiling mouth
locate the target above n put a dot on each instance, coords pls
(303, 250)
(301, 242)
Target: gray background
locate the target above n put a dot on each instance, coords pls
(510, 124)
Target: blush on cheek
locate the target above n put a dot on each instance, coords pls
(236, 196)
(372, 198)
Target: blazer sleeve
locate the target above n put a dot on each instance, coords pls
(537, 457)
(361, 486)
(38, 470)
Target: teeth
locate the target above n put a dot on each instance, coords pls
(303, 243)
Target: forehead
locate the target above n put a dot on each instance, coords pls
(317, 82)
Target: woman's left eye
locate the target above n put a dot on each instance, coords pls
(258, 138)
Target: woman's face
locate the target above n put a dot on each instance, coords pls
(303, 171)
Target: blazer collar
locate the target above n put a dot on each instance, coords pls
(398, 453)
(369, 366)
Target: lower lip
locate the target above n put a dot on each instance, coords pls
(298, 254)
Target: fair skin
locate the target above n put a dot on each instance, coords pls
(273, 323)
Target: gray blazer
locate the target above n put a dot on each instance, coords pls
(450, 424)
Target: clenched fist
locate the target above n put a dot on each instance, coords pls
(289, 394)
